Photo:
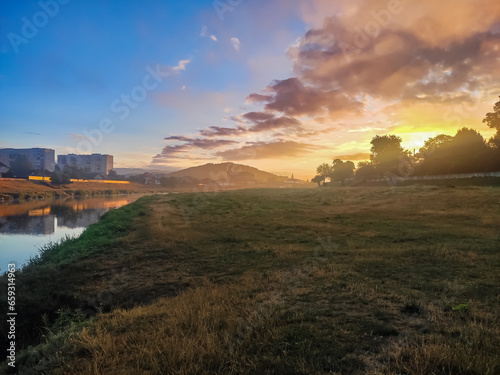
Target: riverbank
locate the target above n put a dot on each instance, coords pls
(341, 280)
(19, 189)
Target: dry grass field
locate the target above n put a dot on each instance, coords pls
(317, 281)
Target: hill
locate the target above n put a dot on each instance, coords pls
(221, 172)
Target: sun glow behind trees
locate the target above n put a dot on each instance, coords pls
(466, 152)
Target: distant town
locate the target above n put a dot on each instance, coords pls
(19, 162)
(40, 163)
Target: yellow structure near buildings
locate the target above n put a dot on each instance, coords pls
(40, 178)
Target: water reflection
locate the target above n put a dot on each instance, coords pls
(26, 227)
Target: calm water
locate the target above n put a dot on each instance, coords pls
(26, 227)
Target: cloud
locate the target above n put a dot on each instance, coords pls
(274, 123)
(292, 97)
(77, 137)
(213, 37)
(257, 98)
(236, 43)
(256, 122)
(423, 18)
(206, 144)
(407, 52)
(181, 65)
(258, 116)
(204, 31)
(266, 150)
(189, 149)
(218, 131)
(172, 152)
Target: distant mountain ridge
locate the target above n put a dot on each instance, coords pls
(221, 171)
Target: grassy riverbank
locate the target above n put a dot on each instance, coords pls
(340, 281)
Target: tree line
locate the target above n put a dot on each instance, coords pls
(465, 152)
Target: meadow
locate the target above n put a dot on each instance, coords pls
(366, 280)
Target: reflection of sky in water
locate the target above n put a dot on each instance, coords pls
(17, 248)
(27, 227)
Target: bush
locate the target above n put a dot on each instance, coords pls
(60, 179)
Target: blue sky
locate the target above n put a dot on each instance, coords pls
(65, 78)
(57, 88)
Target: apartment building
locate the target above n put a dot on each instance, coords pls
(40, 158)
(95, 163)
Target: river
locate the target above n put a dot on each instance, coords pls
(26, 227)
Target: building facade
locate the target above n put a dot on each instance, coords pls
(95, 163)
(40, 158)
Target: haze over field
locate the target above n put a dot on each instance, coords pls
(279, 85)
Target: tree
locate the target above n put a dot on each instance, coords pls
(434, 155)
(324, 170)
(21, 166)
(112, 174)
(365, 171)
(318, 179)
(468, 152)
(492, 119)
(60, 178)
(342, 170)
(433, 144)
(387, 154)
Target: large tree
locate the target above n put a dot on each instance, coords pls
(342, 170)
(387, 154)
(492, 119)
(433, 144)
(466, 152)
(324, 170)
(434, 155)
(318, 180)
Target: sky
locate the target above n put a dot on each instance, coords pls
(280, 85)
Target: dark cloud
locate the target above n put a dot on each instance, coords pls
(258, 98)
(178, 138)
(185, 151)
(268, 122)
(217, 131)
(258, 116)
(275, 123)
(266, 150)
(171, 152)
(293, 98)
